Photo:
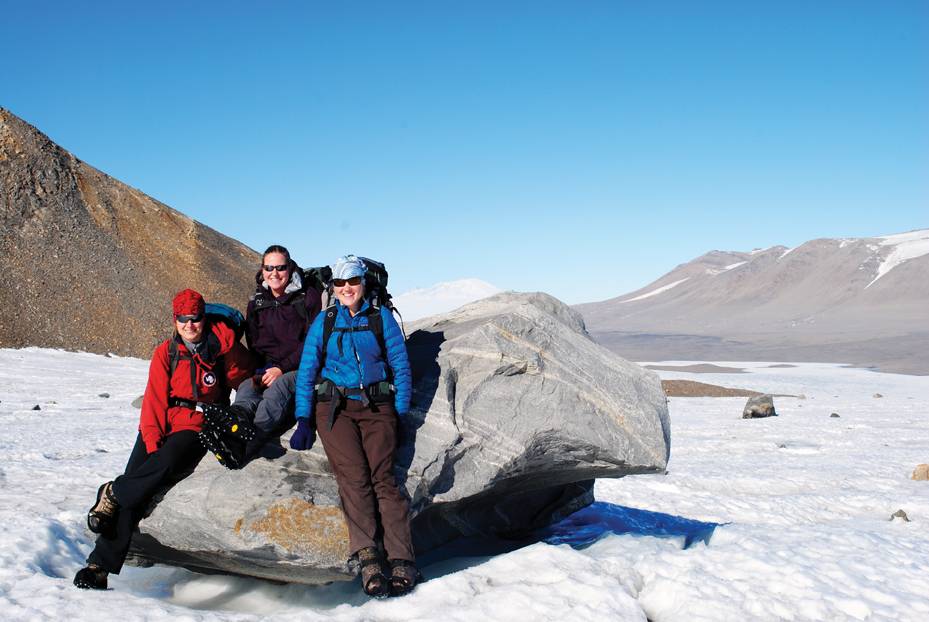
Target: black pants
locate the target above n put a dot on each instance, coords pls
(146, 475)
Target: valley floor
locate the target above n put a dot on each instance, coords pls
(804, 501)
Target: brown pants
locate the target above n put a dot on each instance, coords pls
(360, 447)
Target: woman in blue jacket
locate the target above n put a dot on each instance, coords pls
(359, 382)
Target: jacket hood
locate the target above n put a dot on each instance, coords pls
(224, 335)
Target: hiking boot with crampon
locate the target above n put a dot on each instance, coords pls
(93, 577)
(403, 577)
(373, 580)
(101, 516)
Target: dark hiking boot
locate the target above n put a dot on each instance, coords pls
(93, 577)
(403, 577)
(373, 580)
(101, 516)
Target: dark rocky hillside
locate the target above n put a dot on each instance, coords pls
(92, 264)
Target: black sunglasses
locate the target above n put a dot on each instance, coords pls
(183, 319)
(355, 280)
(282, 268)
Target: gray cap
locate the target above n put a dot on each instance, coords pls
(347, 267)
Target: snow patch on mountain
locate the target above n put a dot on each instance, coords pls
(442, 297)
(715, 271)
(655, 292)
(907, 246)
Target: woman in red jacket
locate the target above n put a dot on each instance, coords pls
(199, 364)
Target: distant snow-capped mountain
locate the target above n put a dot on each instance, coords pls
(858, 299)
(442, 297)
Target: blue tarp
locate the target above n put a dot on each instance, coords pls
(589, 524)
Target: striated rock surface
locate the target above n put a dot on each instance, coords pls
(94, 262)
(515, 412)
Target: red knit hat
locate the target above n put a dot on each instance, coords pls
(188, 302)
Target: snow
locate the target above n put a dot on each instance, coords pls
(906, 246)
(655, 292)
(442, 297)
(803, 501)
(731, 266)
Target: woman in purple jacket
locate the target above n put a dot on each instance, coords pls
(277, 318)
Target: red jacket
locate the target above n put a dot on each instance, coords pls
(214, 382)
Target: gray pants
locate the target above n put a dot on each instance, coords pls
(272, 409)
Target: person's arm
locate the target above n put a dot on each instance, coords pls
(251, 325)
(309, 369)
(312, 303)
(398, 360)
(238, 364)
(153, 421)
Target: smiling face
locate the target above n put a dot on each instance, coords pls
(190, 331)
(277, 280)
(351, 296)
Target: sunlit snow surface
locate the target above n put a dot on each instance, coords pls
(803, 500)
(905, 246)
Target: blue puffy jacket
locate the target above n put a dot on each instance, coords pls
(360, 362)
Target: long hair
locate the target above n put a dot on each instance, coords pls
(276, 248)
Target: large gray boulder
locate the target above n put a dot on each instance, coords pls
(515, 412)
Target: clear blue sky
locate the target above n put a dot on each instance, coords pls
(580, 148)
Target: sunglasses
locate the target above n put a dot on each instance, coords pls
(183, 319)
(355, 280)
(268, 268)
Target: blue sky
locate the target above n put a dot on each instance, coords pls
(579, 148)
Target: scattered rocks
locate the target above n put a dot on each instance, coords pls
(137, 402)
(760, 406)
(900, 514)
(921, 473)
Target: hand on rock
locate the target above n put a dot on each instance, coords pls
(304, 436)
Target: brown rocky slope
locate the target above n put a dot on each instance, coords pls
(92, 264)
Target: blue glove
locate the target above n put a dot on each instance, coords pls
(304, 436)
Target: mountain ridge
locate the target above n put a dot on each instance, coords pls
(851, 300)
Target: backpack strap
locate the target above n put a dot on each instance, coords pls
(375, 325)
(174, 355)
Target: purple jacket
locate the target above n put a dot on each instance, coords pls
(275, 327)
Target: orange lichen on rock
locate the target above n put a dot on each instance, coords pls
(296, 525)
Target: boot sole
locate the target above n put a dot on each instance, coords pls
(103, 522)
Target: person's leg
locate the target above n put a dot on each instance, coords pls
(134, 490)
(346, 457)
(178, 455)
(138, 454)
(275, 414)
(379, 439)
(248, 397)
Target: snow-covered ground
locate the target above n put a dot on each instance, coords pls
(804, 500)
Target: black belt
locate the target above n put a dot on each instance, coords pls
(328, 391)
